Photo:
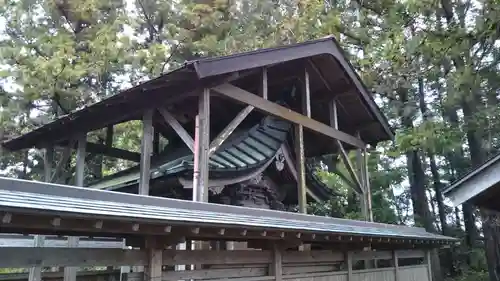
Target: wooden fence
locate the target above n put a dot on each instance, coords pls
(240, 265)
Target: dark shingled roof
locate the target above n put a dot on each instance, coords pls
(331, 75)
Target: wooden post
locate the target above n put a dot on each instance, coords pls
(367, 185)
(155, 260)
(70, 272)
(35, 273)
(429, 264)
(264, 83)
(299, 146)
(396, 265)
(204, 145)
(146, 150)
(348, 260)
(276, 266)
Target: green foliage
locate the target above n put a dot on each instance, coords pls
(435, 77)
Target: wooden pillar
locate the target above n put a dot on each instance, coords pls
(146, 150)
(395, 260)
(155, 260)
(276, 266)
(367, 185)
(70, 272)
(202, 146)
(348, 261)
(35, 273)
(429, 264)
(299, 146)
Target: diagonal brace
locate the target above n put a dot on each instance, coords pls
(358, 187)
(217, 142)
(186, 138)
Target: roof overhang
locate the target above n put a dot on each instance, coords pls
(481, 186)
(177, 86)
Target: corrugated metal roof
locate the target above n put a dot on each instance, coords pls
(59, 200)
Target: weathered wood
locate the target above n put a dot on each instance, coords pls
(62, 162)
(306, 96)
(428, 261)
(181, 132)
(29, 257)
(146, 150)
(229, 129)
(301, 173)
(345, 157)
(70, 272)
(358, 187)
(395, 260)
(265, 88)
(264, 105)
(39, 240)
(276, 267)
(367, 185)
(293, 169)
(349, 260)
(155, 260)
(107, 150)
(204, 144)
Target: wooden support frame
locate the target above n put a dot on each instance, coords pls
(181, 132)
(201, 150)
(272, 108)
(358, 187)
(146, 151)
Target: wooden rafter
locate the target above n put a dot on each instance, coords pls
(269, 107)
(181, 132)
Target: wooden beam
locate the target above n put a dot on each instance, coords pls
(181, 132)
(217, 142)
(265, 87)
(109, 151)
(146, 150)
(269, 107)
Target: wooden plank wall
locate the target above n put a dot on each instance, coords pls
(240, 265)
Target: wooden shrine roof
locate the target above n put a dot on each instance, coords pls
(331, 76)
(35, 207)
(480, 186)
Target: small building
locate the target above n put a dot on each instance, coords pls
(241, 130)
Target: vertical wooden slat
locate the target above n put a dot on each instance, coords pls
(146, 150)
